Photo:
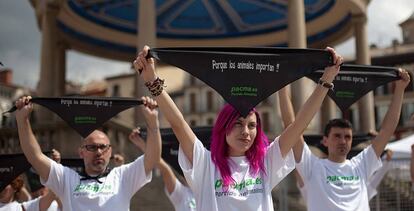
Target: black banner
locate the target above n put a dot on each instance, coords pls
(11, 166)
(354, 81)
(245, 76)
(85, 114)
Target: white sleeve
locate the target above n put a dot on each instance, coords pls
(305, 165)
(133, 175)
(375, 179)
(367, 162)
(57, 176)
(177, 195)
(32, 205)
(278, 167)
(195, 173)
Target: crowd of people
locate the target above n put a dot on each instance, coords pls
(237, 173)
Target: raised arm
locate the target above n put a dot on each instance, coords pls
(181, 129)
(28, 142)
(288, 116)
(392, 117)
(291, 135)
(153, 148)
(168, 175)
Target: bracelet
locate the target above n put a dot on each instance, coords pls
(326, 84)
(155, 87)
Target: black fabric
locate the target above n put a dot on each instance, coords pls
(34, 180)
(11, 166)
(354, 81)
(77, 164)
(85, 176)
(85, 114)
(245, 76)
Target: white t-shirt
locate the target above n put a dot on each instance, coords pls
(32, 205)
(376, 179)
(114, 193)
(251, 192)
(337, 186)
(182, 197)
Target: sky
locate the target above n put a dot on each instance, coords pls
(20, 41)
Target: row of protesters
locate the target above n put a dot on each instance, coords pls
(239, 172)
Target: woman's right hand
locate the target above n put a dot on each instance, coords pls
(145, 67)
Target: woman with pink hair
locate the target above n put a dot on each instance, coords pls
(242, 168)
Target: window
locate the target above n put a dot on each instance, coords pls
(193, 102)
(209, 101)
(115, 91)
(210, 121)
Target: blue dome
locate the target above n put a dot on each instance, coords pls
(112, 25)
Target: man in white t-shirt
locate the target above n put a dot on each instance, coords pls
(98, 188)
(337, 183)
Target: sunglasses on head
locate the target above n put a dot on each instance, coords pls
(95, 147)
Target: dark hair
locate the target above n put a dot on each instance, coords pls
(341, 123)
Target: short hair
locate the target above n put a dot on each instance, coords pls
(341, 123)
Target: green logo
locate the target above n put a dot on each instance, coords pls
(85, 120)
(341, 178)
(93, 188)
(241, 185)
(243, 91)
(345, 94)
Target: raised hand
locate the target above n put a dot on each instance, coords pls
(405, 79)
(150, 112)
(145, 67)
(136, 139)
(56, 156)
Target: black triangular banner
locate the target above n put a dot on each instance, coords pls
(85, 114)
(11, 166)
(245, 76)
(354, 81)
